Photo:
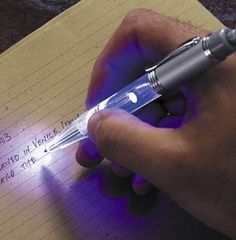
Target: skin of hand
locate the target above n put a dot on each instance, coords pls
(194, 163)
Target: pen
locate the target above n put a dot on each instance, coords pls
(190, 59)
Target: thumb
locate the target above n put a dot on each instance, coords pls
(152, 152)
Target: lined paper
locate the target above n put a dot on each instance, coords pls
(44, 80)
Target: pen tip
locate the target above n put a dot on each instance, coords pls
(45, 150)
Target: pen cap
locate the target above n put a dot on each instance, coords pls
(222, 43)
(184, 67)
(196, 60)
(231, 36)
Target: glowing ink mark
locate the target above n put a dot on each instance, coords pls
(132, 97)
(47, 159)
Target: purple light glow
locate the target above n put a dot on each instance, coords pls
(88, 210)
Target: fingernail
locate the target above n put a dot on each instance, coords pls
(140, 185)
(121, 171)
(93, 124)
(87, 155)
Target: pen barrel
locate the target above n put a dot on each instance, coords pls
(130, 98)
(184, 67)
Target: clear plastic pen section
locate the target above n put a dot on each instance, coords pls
(131, 98)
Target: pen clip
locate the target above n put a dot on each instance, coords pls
(180, 49)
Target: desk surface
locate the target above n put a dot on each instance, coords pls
(31, 14)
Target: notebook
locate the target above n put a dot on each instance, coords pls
(44, 79)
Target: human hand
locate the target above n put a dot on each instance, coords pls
(195, 164)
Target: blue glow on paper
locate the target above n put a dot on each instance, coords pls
(46, 160)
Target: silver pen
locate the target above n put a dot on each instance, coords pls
(187, 61)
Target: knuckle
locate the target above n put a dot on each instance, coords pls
(134, 14)
(135, 17)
